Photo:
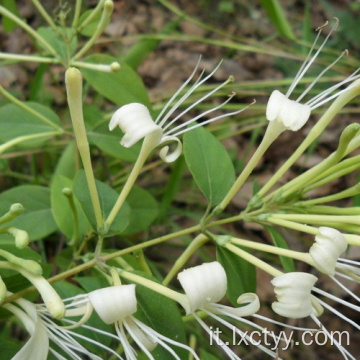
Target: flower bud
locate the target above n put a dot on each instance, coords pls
(328, 246)
(293, 292)
(203, 284)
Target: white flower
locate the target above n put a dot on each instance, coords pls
(136, 122)
(37, 321)
(293, 293)
(206, 284)
(295, 300)
(328, 247)
(116, 305)
(293, 114)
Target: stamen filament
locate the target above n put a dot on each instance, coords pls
(178, 91)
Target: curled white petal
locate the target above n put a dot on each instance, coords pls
(203, 284)
(252, 306)
(114, 303)
(328, 246)
(293, 292)
(164, 152)
(135, 122)
(290, 113)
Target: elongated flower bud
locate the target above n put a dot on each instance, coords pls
(290, 113)
(203, 284)
(135, 122)
(114, 303)
(293, 292)
(328, 246)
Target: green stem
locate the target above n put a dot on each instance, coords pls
(293, 225)
(316, 219)
(34, 58)
(44, 14)
(105, 258)
(21, 139)
(273, 130)
(27, 108)
(253, 260)
(73, 82)
(199, 241)
(107, 11)
(305, 257)
(161, 289)
(147, 147)
(28, 29)
(333, 210)
(350, 192)
(76, 13)
(350, 238)
(316, 131)
(335, 175)
(92, 15)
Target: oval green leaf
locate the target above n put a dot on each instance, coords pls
(122, 87)
(209, 164)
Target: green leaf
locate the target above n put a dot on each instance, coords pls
(209, 164)
(37, 219)
(66, 165)
(143, 210)
(107, 197)
(16, 121)
(62, 211)
(204, 355)
(122, 87)
(279, 241)
(278, 18)
(109, 142)
(7, 24)
(61, 44)
(90, 28)
(241, 275)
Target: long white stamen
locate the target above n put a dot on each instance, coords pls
(323, 94)
(297, 76)
(68, 335)
(282, 324)
(217, 340)
(241, 333)
(178, 91)
(156, 336)
(182, 99)
(137, 340)
(198, 101)
(199, 116)
(305, 69)
(345, 289)
(187, 94)
(211, 120)
(343, 351)
(130, 353)
(320, 75)
(99, 331)
(353, 262)
(338, 313)
(345, 276)
(338, 300)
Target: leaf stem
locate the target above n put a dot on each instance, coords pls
(28, 29)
